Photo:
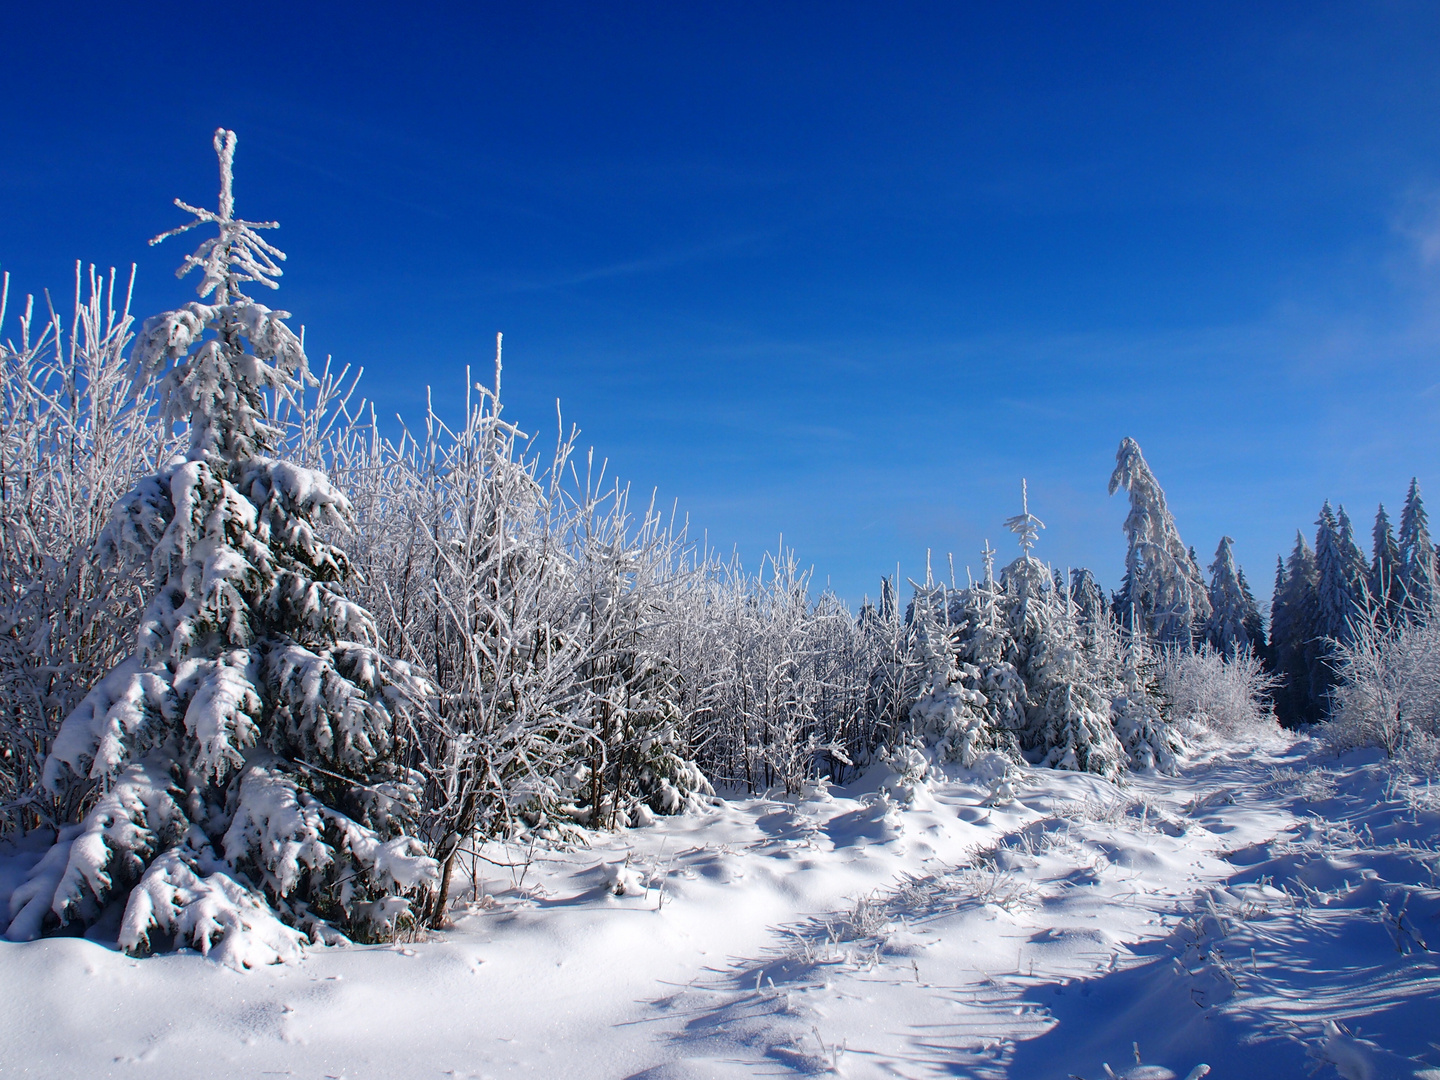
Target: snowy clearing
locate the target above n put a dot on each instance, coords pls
(1268, 912)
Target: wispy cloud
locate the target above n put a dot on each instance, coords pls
(723, 247)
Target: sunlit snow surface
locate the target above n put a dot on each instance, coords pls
(1231, 917)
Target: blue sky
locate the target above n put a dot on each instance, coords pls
(846, 272)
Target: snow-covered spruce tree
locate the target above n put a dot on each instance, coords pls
(1341, 593)
(1067, 714)
(1419, 574)
(949, 716)
(983, 642)
(1295, 638)
(1123, 665)
(1091, 608)
(1386, 580)
(1162, 583)
(1354, 567)
(1254, 622)
(1150, 740)
(1226, 630)
(249, 754)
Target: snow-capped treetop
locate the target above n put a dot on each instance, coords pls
(1025, 525)
(219, 388)
(239, 254)
(987, 556)
(1162, 582)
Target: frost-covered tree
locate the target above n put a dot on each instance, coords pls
(1088, 597)
(1149, 739)
(1227, 630)
(1296, 639)
(635, 755)
(1068, 714)
(1354, 569)
(1388, 693)
(1206, 694)
(1253, 622)
(949, 715)
(1419, 575)
(1386, 580)
(248, 759)
(1067, 706)
(1162, 583)
(983, 643)
(894, 678)
(1340, 597)
(74, 435)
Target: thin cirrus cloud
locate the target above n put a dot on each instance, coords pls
(725, 247)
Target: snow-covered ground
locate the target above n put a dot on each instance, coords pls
(1269, 912)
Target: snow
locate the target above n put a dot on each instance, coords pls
(1269, 910)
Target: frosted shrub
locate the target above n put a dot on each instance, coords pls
(1207, 693)
(1389, 692)
(75, 433)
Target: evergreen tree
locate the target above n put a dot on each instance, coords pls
(1339, 584)
(950, 715)
(1386, 580)
(1162, 583)
(983, 644)
(1253, 622)
(1067, 710)
(1420, 579)
(1088, 598)
(1226, 630)
(1354, 570)
(1294, 618)
(1150, 741)
(249, 756)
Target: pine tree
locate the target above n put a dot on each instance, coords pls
(249, 756)
(1355, 572)
(1088, 598)
(949, 714)
(1253, 622)
(1226, 629)
(1162, 583)
(1386, 579)
(1294, 618)
(1420, 579)
(1150, 741)
(1339, 577)
(983, 643)
(1067, 710)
